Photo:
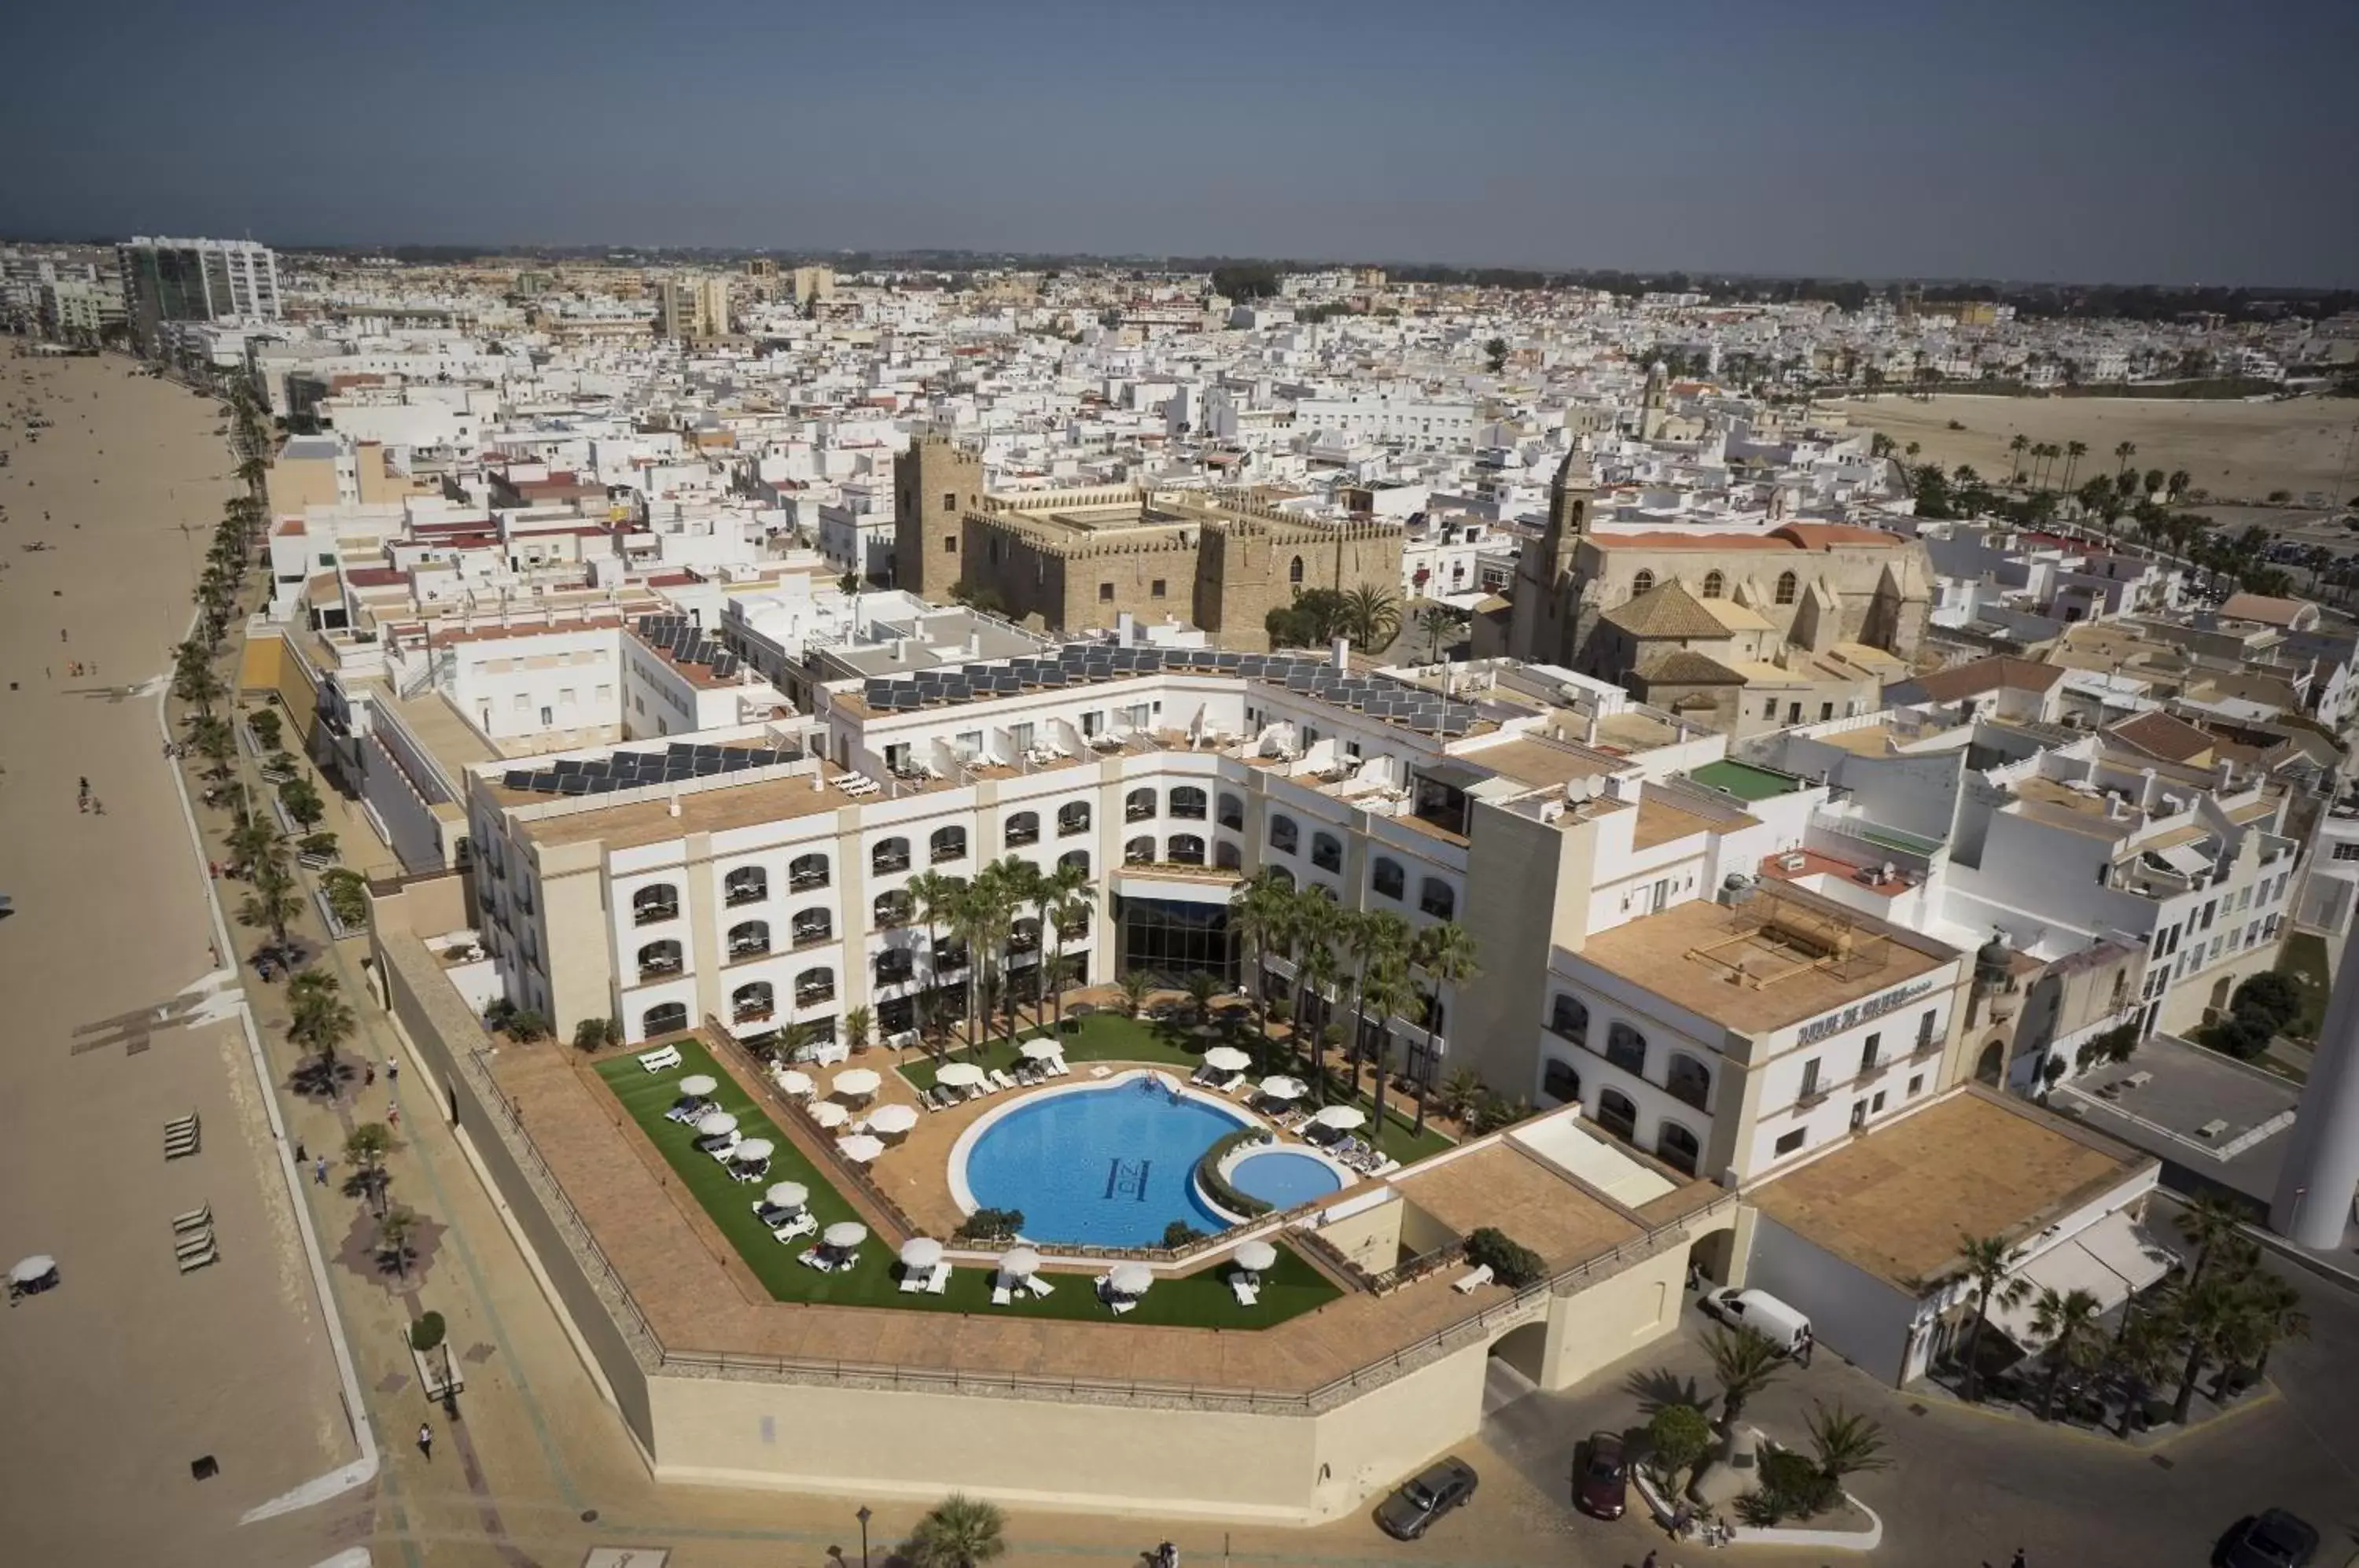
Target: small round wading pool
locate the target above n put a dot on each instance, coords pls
(1284, 1177)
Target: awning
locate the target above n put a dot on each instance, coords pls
(2112, 1259)
(1210, 888)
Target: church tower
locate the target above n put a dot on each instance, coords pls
(1540, 629)
(1655, 406)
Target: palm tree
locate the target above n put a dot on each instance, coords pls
(1385, 993)
(1967, 475)
(1446, 953)
(959, 1531)
(272, 904)
(1316, 971)
(2073, 452)
(2014, 450)
(321, 1022)
(858, 1025)
(2216, 1226)
(193, 678)
(1135, 985)
(1257, 916)
(251, 472)
(366, 1148)
(1745, 1362)
(2176, 485)
(937, 898)
(2139, 1357)
(255, 844)
(2206, 1312)
(394, 1235)
(1068, 903)
(2122, 455)
(1435, 621)
(1989, 1271)
(1844, 1444)
(1366, 940)
(2067, 1325)
(1201, 988)
(1000, 890)
(1371, 617)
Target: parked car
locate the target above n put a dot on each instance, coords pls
(1601, 1483)
(1407, 1514)
(2276, 1539)
(1759, 1311)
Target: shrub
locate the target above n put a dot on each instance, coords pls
(426, 1332)
(1179, 1234)
(1208, 1175)
(2270, 996)
(347, 893)
(1793, 1486)
(318, 843)
(1512, 1264)
(527, 1025)
(991, 1224)
(2242, 1035)
(1676, 1439)
(264, 723)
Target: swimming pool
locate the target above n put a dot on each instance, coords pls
(1110, 1166)
(1284, 1177)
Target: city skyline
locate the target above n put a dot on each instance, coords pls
(2002, 144)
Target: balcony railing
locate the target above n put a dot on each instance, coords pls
(659, 968)
(807, 881)
(742, 949)
(886, 864)
(653, 914)
(751, 1015)
(814, 937)
(749, 894)
(1018, 837)
(816, 993)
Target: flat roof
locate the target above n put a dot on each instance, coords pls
(633, 823)
(1687, 953)
(1896, 1201)
(1537, 763)
(1745, 780)
(1500, 1184)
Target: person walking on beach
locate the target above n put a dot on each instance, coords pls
(425, 1441)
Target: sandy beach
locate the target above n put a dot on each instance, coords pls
(2237, 451)
(131, 1372)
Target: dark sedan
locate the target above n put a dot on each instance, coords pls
(1407, 1514)
(2275, 1540)
(1601, 1483)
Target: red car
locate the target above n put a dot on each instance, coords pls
(1601, 1480)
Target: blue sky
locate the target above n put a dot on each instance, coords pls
(2075, 139)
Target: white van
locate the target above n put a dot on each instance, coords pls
(1762, 1312)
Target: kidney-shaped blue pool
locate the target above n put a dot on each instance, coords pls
(1111, 1167)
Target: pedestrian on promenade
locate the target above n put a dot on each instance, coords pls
(302, 1157)
(425, 1441)
(392, 1115)
(319, 1172)
(392, 1070)
(368, 1077)
(2018, 1562)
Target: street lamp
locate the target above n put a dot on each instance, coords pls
(863, 1516)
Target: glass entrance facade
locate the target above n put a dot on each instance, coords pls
(1171, 939)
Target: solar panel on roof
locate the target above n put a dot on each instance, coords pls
(573, 784)
(545, 783)
(607, 786)
(1054, 675)
(517, 779)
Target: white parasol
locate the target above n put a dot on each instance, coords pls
(1256, 1255)
(1281, 1088)
(787, 1196)
(845, 1235)
(920, 1252)
(1227, 1059)
(857, 1082)
(696, 1085)
(795, 1081)
(859, 1148)
(716, 1124)
(1041, 1050)
(40, 1266)
(828, 1114)
(1019, 1263)
(1130, 1278)
(960, 1075)
(753, 1151)
(894, 1119)
(1342, 1118)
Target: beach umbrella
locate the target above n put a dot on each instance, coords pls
(828, 1114)
(1227, 1059)
(796, 1082)
(753, 1151)
(894, 1119)
(1342, 1118)
(920, 1252)
(40, 1266)
(960, 1075)
(858, 1082)
(859, 1148)
(1256, 1255)
(787, 1196)
(845, 1235)
(1041, 1050)
(696, 1085)
(1281, 1088)
(1019, 1263)
(1130, 1278)
(716, 1124)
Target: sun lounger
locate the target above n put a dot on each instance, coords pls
(999, 1297)
(1233, 1085)
(195, 1219)
(1246, 1293)
(192, 1262)
(812, 1258)
(940, 1282)
(197, 1242)
(1124, 1304)
(999, 1076)
(182, 1137)
(1038, 1286)
(662, 1061)
(802, 1225)
(1467, 1285)
(913, 1281)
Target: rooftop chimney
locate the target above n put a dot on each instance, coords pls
(1342, 653)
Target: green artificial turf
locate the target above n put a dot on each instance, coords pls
(1201, 1301)
(2303, 961)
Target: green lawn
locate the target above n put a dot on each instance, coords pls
(1201, 1301)
(2304, 962)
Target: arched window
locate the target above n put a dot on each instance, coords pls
(752, 1003)
(1689, 1079)
(1559, 1082)
(1023, 936)
(749, 939)
(1294, 572)
(1569, 1018)
(1184, 849)
(1627, 1048)
(812, 927)
(1187, 802)
(1786, 584)
(1078, 858)
(1326, 851)
(1388, 878)
(1279, 874)
(1228, 856)
(892, 908)
(1232, 812)
(1023, 828)
(1438, 899)
(1077, 927)
(1284, 836)
(1714, 584)
(746, 884)
(891, 855)
(894, 965)
(655, 903)
(947, 845)
(807, 872)
(1138, 851)
(814, 986)
(1617, 1114)
(1677, 1148)
(659, 959)
(1138, 805)
(665, 1017)
(1642, 583)
(1072, 818)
